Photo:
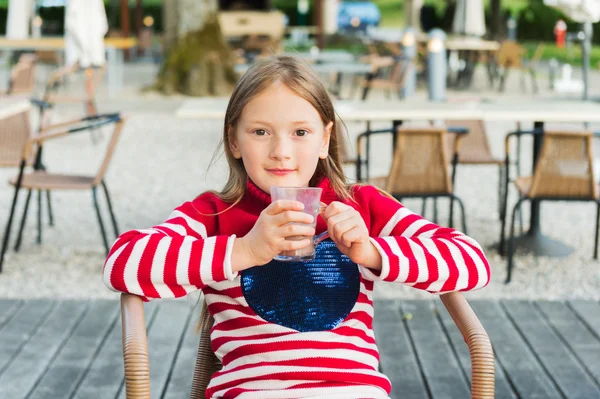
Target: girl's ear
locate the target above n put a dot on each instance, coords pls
(326, 138)
(233, 146)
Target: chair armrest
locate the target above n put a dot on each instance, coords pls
(478, 342)
(135, 348)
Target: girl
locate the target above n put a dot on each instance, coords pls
(280, 130)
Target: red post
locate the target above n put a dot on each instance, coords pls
(560, 31)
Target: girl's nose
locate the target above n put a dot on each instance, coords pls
(281, 148)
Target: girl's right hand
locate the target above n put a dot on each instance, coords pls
(268, 236)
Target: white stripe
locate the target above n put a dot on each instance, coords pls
(195, 225)
(157, 273)
(229, 273)
(231, 314)
(150, 231)
(110, 263)
(183, 264)
(220, 298)
(419, 256)
(177, 228)
(403, 260)
(132, 266)
(249, 331)
(414, 227)
(463, 273)
(325, 354)
(482, 274)
(349, 392)
(206, 259)
(320, 336)
(385, 265)
(443, 268)
(398, 216)
(254, 372)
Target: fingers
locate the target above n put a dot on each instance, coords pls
(356, 234)
(339, 230)
(292, 245)
(287, 217)
(279, 206)
(334, 208)
(291, 230)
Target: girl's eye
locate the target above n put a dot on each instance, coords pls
(260, 132)
(301, 133)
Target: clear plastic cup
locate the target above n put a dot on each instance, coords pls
(311, 198)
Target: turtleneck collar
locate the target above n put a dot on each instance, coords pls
(255, 193)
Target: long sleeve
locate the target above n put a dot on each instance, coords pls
(422, 254)
(172, 259)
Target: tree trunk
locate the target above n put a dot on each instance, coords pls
(198, 61)
(496, 23)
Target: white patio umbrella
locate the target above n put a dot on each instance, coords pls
(19, 17)
(85, 27)
(469, 18)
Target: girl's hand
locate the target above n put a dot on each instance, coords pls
(268, 236)
(347, 229)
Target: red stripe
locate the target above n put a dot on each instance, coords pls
(178, 220)
(218, 260)
(117, 274)
(232, 292)
(170, 276)
(404, 224)
(351, 378)
(218, 342)
(239, 322)
(347, 331)
(361, 316)
(368, 284)
(413, 265)
(433, 269)
(253, 349)
(194, 275)
(450, 284)
(481, 256)
(320, 363)
(471, 267)
(219, 307)
(392, 259)
(145, 266)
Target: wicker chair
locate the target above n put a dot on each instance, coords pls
(510, 56)
(22, 76)
(387, 72)
(564, 172)
(420, 168)
(137, 365)
(42, 180)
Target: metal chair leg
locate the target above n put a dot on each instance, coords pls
(451, 216)
(435, 210)
(20, 235)
(500, 191)
(50, 214)
(511, 241)
(597, 227)
(110, 209)
(462, 212)
(424, 206)
(102, 230)
(9, 223)
(39, 221)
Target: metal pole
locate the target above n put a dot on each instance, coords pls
(436, 65)
(586, 45)
(409, 52)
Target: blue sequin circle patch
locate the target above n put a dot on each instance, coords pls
(307, 296)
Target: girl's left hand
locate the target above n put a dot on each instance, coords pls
(347, 229)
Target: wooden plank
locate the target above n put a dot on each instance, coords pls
(74, 357)
(398, 358)
(106, 374)
(516, 358)
(20, 329)
(8, 307)
(589, 312)
(558, 360)
(442, 372)
(501, 384)
(575, 334)
(164, 336)
(180, 383)
(33, 360)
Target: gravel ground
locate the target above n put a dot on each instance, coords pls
(162, 161)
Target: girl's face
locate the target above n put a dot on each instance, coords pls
(280, 138)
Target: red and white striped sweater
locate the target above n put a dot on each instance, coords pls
(192, 250)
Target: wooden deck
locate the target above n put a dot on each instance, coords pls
(72, 349)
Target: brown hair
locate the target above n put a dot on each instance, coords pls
(302, 80)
